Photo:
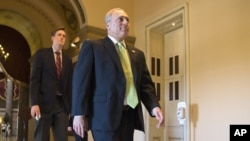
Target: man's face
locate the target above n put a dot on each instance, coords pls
(118, 26)
(59, 38)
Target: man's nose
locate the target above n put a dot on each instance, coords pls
(125, 20)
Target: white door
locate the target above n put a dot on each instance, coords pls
(175, 116)
(167, 50)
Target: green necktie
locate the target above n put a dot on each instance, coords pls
(131, 95)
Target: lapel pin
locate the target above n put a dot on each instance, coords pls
(133, 51)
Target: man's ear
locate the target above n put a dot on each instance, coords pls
(107, 26)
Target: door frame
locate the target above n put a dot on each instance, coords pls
(183, 9)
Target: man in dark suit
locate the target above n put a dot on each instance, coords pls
(51, 89)
(103, 81)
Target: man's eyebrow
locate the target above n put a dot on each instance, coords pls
(123, 17)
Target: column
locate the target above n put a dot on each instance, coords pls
(9, 96)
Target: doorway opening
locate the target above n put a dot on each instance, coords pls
(167, 52)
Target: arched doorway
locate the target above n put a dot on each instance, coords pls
(33, 21)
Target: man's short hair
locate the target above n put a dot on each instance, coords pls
(53, 33)
(110, 12)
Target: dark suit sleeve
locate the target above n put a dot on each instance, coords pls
(81, 81)
(36, 74)
(147, 89)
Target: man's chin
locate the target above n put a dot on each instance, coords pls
(124, 34)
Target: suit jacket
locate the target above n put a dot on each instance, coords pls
(99, 85)
(44, 82)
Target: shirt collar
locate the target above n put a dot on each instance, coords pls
(115, 41)
(56, 51)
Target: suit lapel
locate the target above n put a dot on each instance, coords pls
(64, 64)
(132, 56)
(111, 49)
(52, 57)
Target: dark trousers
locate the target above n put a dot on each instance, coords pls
(124, 133)
(57, 120)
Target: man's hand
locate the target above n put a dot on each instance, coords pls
(159, 116)
(80, 124)
(35, 112)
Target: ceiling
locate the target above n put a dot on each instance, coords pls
(25, 26)
(169, 25)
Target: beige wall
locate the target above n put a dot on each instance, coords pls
(96, 10)
(219, 61)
